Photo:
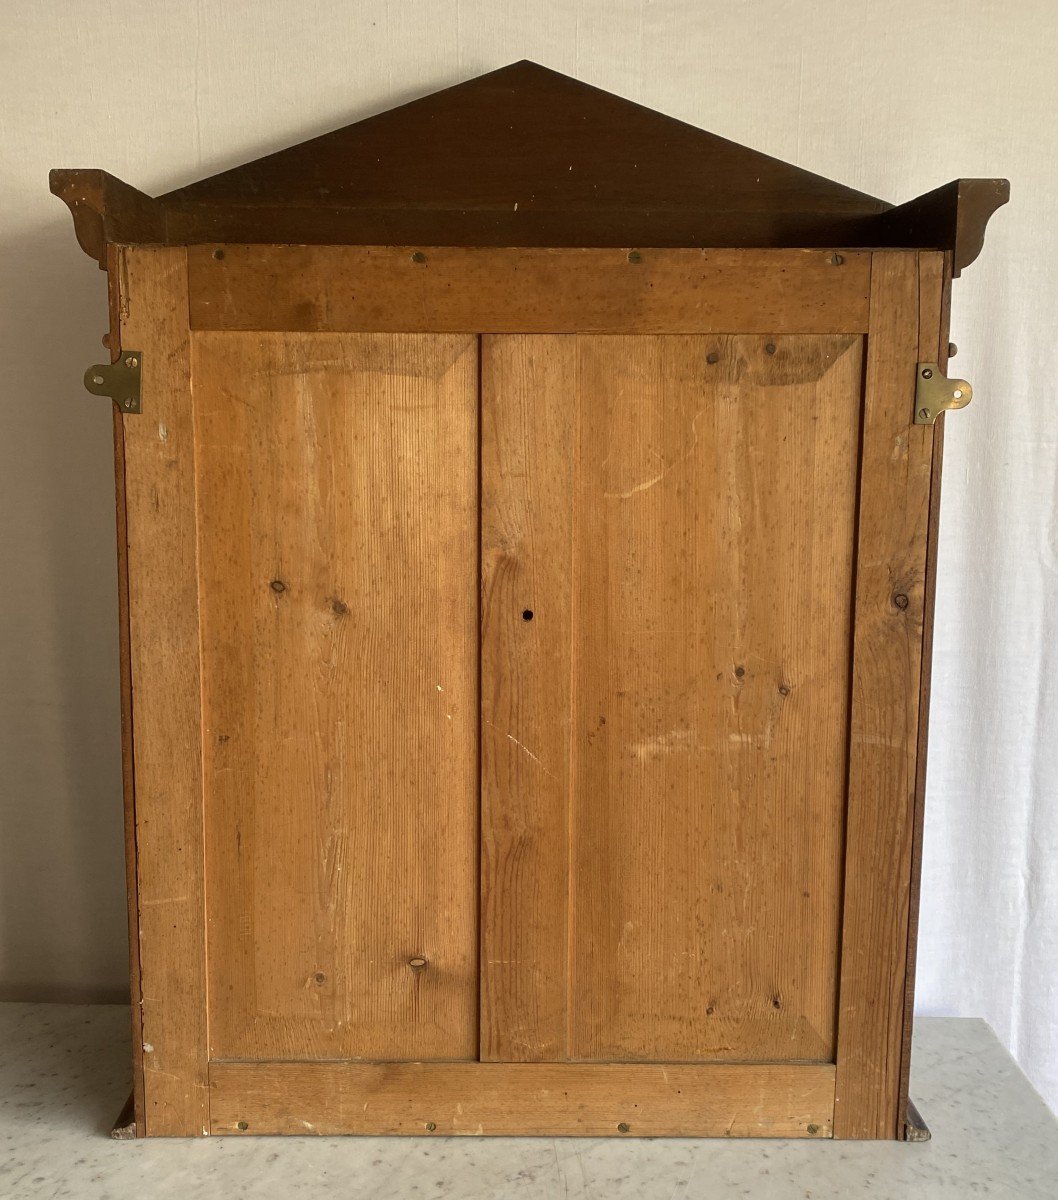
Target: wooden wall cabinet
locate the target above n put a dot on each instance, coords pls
(526, 544)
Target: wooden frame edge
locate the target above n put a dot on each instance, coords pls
(495, 290)
(935, 280)
(896, 472)
(523, 1099)
(164, 665)
(136, 1115)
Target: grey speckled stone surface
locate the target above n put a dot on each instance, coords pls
(64, 1076)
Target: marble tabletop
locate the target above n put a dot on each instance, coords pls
(64, 1076)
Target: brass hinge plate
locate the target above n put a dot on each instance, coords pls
(120, 381)
(935, 393)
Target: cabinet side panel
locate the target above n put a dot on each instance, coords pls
(337, 491)
(934, 275)
(887, 655)
(528, 448)
(115, 273)
(164, 659)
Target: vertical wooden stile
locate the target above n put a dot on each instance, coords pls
(165, 678)
(528, 420)
(934, 314)
(894, 497)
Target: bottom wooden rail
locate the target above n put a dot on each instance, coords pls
(541, 1099)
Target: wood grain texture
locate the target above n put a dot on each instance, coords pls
(934, 304)
(713, 485)
(485, 290)
(535, 1099)
(164, 656)
(887, 654)
(527, 461)
(337, 489)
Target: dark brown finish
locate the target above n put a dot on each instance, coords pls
(952, 217)
(125, 664)
(523, 156)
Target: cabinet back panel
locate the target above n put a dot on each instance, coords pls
(664, 780)
(337, 497)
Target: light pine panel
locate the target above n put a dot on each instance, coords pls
(890, 598)
(518, 290)
(527, 461)
(337, 494)
(707, 659)
(541, 1099)
(163, 653)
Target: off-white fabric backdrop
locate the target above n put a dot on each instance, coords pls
(891, 98)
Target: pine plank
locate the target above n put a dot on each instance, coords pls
(338, 507)
(163, 636)
(534, 1099)
(528, 450)
(449, 289)
(934, 296)
(713, 495)
(887, 656)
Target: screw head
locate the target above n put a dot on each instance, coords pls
(242, 1125)
(623, 1127)
(431, 1125)
(418, 257)
(836, 260)
(218, 254)
(927, 372)
(634, 256)
(924, 413)
(769, 348)
(97, 380)
(128, 403)
(812, 1129)
(132, 361)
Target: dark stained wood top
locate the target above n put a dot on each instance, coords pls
(523, 156)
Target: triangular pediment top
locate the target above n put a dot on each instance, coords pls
(528, 136)
(524, 156)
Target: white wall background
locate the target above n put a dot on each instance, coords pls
(891, 98)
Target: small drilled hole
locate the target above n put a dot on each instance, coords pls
(527, 614)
